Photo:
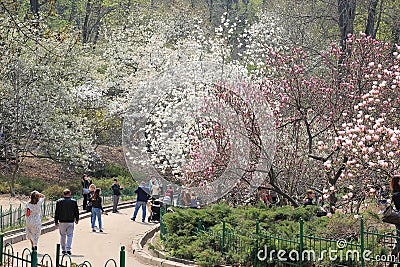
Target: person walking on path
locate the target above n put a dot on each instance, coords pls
(116, 188)
(65, 215)
(97, 209)
(34, 218)
(85, 189)
(142, 196)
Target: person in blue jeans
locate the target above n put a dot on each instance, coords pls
(142, 195)
(97, 209)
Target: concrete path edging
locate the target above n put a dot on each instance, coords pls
(146, 258)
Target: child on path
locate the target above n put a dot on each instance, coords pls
(34, 218)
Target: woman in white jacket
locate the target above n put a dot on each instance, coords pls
(34, 218)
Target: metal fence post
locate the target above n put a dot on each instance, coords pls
(223, 236)
(256, 250)
(11, 213)
(34, 258)
(58, 250)
(44, 209)
(362, 241)
(162, 225)
(122, 257)
(19, 214)
(1, 249)
(199, 224)
(301, 242)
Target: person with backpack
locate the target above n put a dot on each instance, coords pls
(34, 218)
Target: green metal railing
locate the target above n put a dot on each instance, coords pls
(367, 248)
(15, 216)
(163, 230)
(29, 258)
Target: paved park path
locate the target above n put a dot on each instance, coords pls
(97, 247)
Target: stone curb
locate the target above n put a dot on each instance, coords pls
(161, 254)
(19, 235)
(137, 249)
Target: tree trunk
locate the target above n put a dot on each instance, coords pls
(11, 182)
(210, 8)
(396, 28)
(34, 6)
(369, 29)
(346, 12)
(272, 182)
(13, 177)
(396, 33)
(96, 26)
(73, 11)
(378, 21)
(85, 29)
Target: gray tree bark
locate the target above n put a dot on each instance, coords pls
(370, 27)
(347, 12)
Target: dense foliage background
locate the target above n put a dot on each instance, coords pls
(68, 70)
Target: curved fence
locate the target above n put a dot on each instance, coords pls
(29, 258)
(369, 247)
(14, 216)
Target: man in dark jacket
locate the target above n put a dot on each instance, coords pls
(116, 188)
(65, 215)
(142, 195)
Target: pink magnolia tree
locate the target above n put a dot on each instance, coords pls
(314, 99)
(370, 137)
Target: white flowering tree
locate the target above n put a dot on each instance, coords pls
(40, 115)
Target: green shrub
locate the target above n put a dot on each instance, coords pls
(112, 170)
(25, 185)
(183, 237)
(53, 191)
(4, 187)
(209, 258)
(306, 213)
